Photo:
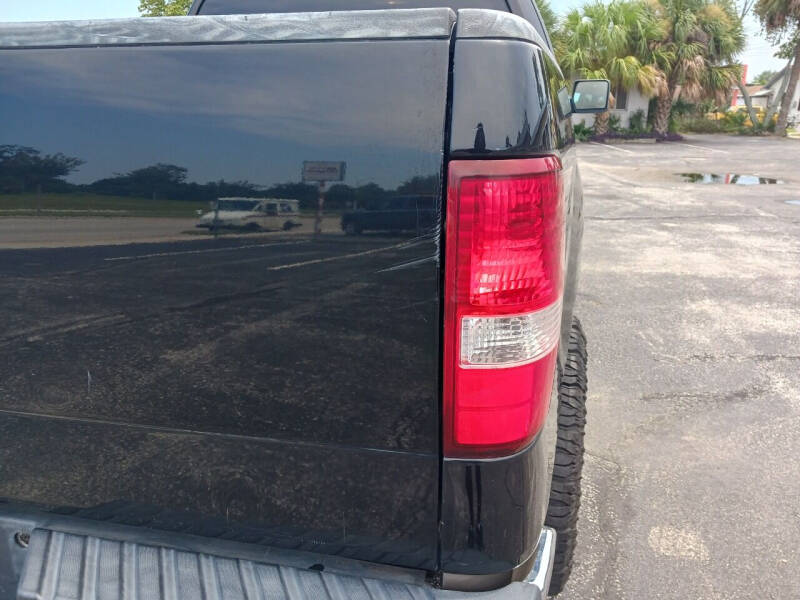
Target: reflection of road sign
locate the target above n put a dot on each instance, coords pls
(323, 171)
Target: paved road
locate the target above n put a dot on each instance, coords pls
(691, 300)
(61, 232)
(55, 232)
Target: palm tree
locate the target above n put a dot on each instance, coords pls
(611, 42)
(781, 18)
(164, 8)
(696, 54)
(548, 15)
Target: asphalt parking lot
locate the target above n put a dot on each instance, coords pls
(689, 297)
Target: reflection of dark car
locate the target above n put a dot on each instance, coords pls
(401, 213)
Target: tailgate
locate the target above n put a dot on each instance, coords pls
(260, 383)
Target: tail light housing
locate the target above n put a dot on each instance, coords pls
(504, 263)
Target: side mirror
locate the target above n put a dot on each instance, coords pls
(590, 96)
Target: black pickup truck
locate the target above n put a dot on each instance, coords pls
(302, 413)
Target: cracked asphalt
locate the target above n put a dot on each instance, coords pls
(689, 297)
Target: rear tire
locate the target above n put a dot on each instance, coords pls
(565, 492)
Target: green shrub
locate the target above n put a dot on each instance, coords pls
(702, 125)
(682, 108)
(727, 121)
(582, 132)
(734, 120)
(637, 122)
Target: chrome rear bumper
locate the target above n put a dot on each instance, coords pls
(539, 576)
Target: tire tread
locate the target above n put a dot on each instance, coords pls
(565, 491)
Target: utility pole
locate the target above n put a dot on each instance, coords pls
(321, 172)
(320, 206)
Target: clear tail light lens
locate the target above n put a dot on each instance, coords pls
(504, 263)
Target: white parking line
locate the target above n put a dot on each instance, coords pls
(339, 257)
(704, 148)
(159, 254)
(613, 147)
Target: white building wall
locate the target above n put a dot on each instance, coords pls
(761, 101)
(793, 98)
(636, 101)
(794, 109)
(757, 101)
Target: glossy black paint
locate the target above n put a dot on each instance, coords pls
(274, 387)
(493, 513)
(487, 121)
(417, 214)
(277, 388)
(342, 501)
(505, 103)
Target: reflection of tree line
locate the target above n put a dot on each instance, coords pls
(26, 170)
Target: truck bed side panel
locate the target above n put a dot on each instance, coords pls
(274, 387)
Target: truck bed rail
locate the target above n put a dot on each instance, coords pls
(420, 23)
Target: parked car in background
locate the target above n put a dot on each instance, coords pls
(252, 214)
(398, 214)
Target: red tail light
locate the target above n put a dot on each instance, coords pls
(504, 264)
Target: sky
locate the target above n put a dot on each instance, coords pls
(758, 55)
(128, 110)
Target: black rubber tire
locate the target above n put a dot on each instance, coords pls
(565, 491)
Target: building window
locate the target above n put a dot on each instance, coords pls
(621, 96)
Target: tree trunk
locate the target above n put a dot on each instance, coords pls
(601, 123)
(661, 119)
(775, 102)
(783, 116)
(749, 104)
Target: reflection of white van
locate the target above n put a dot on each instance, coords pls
(253, 214)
